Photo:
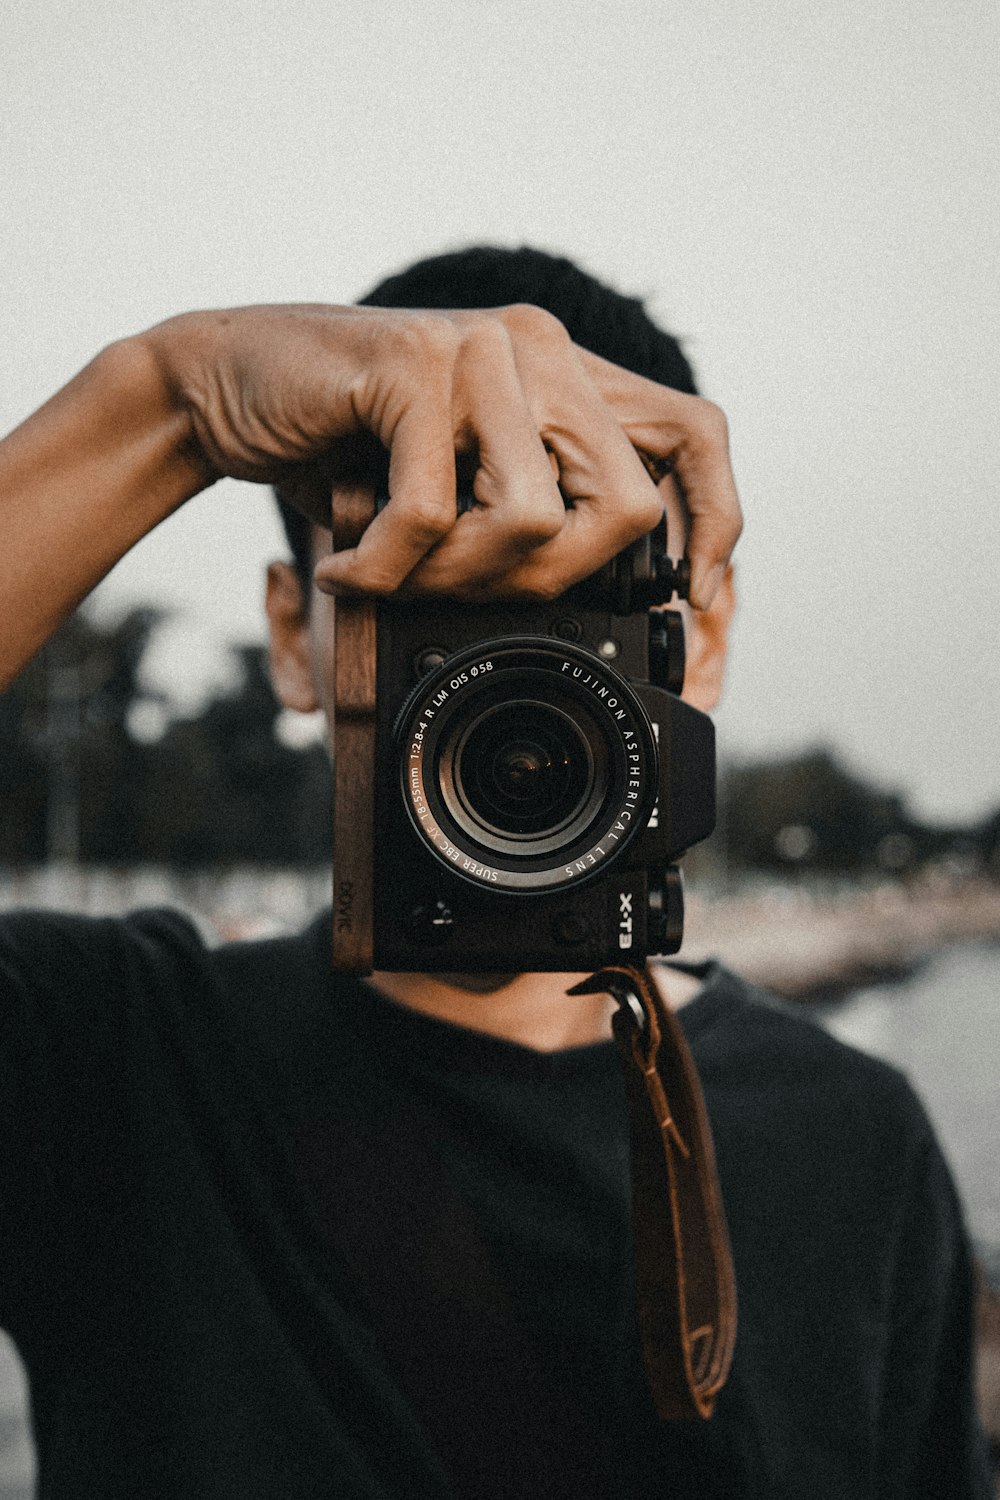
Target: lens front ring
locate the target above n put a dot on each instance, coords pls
(526, 765)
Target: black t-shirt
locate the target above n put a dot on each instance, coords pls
(265, 1235)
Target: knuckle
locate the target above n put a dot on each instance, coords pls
(487, 339)
(728, 519)
(716, 537)
(651, 510)
(530, 524)
(643, 512)
(428, 517)
(371, 578)
(540, 588)
(429, 340)
(525, 320)
(712, 422)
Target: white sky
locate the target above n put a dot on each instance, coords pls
(807, 192)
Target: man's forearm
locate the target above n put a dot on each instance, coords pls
(81, 481)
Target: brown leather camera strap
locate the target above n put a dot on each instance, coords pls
(686, 1288)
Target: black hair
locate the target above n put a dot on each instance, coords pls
(596, 316)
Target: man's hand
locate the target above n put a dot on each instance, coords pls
(310, 397)
(547, 431)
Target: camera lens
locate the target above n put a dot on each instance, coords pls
(521, 776)
(526, 764)
(523, 769)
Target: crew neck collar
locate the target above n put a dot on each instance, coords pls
(397, 1031)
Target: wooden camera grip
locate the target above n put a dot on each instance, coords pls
(354, 649)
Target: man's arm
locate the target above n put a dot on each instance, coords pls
(81, 481)
(278, 394)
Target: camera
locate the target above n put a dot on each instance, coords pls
(513, 783)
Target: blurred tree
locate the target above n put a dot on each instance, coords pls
(23, 769)
(987, 839)
(113, 769)
(808, 812)
(67, 770)
(222, 786)
(82, 778)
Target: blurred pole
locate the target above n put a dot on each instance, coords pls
(724, 784)
(62, 829)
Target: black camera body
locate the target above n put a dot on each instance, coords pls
(535, 778)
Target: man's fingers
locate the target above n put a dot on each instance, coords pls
(586, 542)
(693, 434)
(531, 536)
(514, 482)
(611, 497)
(421, 508)
(716, 522)
(417, 537)
(519, 507)
(516, 395)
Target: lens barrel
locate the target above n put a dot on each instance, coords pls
(526, 764)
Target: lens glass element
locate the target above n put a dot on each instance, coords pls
(523, 769)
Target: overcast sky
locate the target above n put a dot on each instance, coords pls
(806, 192)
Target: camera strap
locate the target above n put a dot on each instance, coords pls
(686, 1288)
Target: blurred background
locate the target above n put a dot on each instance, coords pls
(806, 196)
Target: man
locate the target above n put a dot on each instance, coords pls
(270, 1234)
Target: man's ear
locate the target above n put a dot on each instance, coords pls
(289, 655)
(706, 643)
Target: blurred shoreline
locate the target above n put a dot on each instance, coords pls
(804, 941)
(814, 943)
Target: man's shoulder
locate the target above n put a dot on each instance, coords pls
(61, 961)
(775, 1061)
(117, 992)
(57, 963)
(741, 1017)
(44, 941)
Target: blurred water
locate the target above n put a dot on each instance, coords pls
(942, 1027)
